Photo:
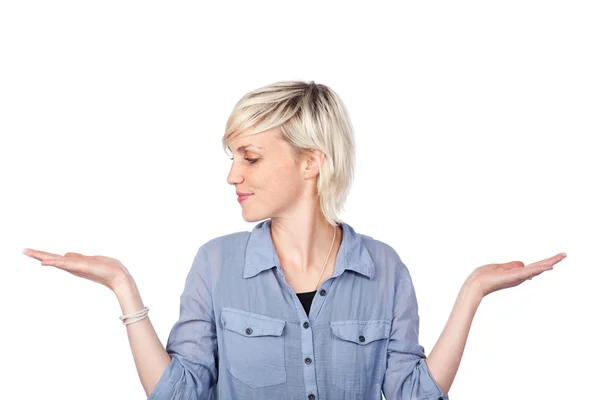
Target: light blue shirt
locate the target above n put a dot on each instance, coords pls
(242, 332)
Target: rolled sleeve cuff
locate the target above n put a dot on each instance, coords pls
(428, 384)
(173, 385)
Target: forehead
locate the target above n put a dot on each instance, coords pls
(253, 141)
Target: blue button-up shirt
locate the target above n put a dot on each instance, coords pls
(243, 333)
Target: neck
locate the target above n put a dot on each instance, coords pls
(302, 243)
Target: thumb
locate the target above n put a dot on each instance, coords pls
(71, 254)
(513, 265)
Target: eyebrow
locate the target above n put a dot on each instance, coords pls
(245, 146)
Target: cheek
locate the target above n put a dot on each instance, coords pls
(283, 183)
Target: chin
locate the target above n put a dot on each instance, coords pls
(252, 217)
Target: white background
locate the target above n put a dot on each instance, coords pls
(476, 128)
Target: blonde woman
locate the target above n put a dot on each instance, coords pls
(303, 306)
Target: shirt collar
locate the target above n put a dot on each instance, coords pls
(261, 254)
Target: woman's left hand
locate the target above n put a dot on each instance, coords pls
(492, 277)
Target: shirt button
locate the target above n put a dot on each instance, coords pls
(306, 325)
(361, 338)
(307, 360)
(440, 398)
(311, 397)
(248, 331)
(323, 292)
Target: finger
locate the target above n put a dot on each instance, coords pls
(551, 261)
(559, 257)
(54, 263)
(39, 255)
(530, 271)
(555, 259)
(68, 264)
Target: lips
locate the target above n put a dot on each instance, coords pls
(244, 197)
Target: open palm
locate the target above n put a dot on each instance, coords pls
(492, 277)
(104, 270)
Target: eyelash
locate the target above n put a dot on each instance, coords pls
(250, 160)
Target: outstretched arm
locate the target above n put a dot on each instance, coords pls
(445, 356)
(444, 359)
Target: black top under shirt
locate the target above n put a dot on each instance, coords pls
(306, 299)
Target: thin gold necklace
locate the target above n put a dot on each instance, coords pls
(327, 259)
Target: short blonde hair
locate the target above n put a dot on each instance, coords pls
(310, 116)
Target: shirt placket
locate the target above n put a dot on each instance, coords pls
(306, 332)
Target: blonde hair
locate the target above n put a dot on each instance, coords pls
(309, 116)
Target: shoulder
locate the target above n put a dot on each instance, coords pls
(383, 254)
(228, 241)
(212, 254)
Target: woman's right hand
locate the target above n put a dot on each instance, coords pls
(104, 270)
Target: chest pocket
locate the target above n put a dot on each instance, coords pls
(359, 353)
(254, 347)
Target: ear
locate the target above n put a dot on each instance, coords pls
(313, 160)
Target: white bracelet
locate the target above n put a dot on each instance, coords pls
(131, 318)
(135, 314)
(135, 320)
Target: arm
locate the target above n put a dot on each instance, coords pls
(188, 367)
(444, 359)
(150, 357)
(446, 354)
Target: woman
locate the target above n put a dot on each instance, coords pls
(301, 307)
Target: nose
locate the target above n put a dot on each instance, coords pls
(234, 175)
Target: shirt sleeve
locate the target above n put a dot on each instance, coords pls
(407, 376)
(192, 342)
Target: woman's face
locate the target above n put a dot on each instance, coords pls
(264, 165)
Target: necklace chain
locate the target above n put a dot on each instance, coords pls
(327, 259)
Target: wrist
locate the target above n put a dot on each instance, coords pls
(471, 290)
(124, 282)
(128, 296)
